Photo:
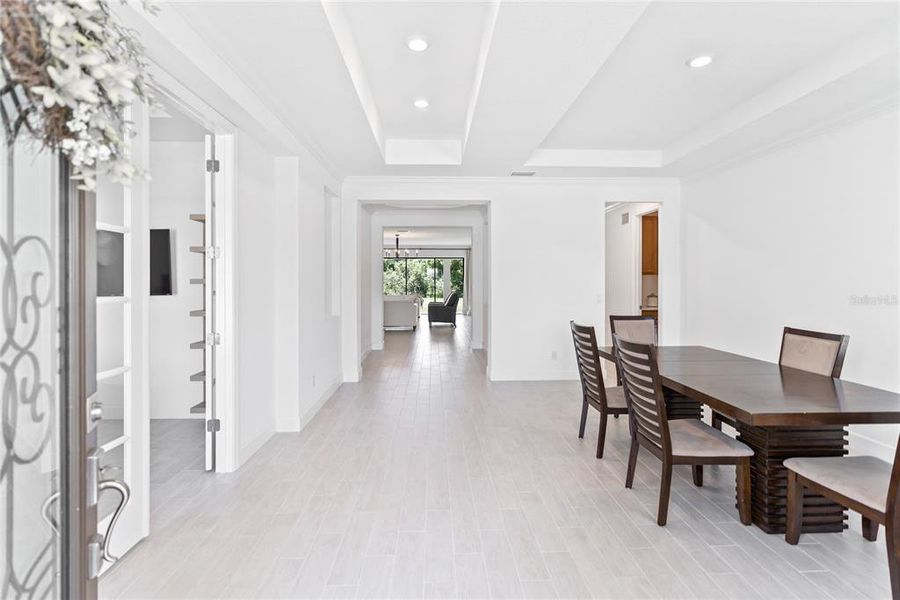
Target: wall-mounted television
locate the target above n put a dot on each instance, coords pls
(160, 262)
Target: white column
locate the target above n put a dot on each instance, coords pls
(446, 262)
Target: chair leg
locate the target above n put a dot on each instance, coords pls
(601, 436)
(893, 552)
(743, 490)
(665, 487)
(697, 474)
(584, 412)
(869, 529)
(632, 462)
(794, 508)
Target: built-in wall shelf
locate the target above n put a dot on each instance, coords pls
(200, 407)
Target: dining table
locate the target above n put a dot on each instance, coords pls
(780, 413)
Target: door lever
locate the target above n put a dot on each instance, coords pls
(125, 494)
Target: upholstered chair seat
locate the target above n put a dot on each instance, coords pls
(615, 397)
(691, 437)
(861, 478)
(865, 484)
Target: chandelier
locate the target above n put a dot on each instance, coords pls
(395, 253)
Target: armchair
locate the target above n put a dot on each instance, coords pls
(443, 312)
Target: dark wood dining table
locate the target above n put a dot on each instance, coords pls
(780, 413)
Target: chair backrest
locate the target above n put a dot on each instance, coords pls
(452, 299)
(643, 393)
(821, 353)
(632, 328)
(588, 359)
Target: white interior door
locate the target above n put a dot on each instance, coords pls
(122, 289)
(212, 273)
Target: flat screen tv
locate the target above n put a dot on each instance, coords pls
(160, 262)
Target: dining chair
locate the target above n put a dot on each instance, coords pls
(865, 484)
(608, 401)
(632, 328)
(811, 351)
(680, 442)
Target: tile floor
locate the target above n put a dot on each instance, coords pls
(426, 480)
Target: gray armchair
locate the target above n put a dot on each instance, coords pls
(443, 312)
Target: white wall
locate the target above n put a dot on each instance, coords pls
(176, 191)
(256, 247)
(546, 262)
(788, 238)
(307, 338)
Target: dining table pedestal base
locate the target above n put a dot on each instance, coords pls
(768, 477)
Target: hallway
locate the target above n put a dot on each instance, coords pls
(426, 480)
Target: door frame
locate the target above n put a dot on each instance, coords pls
(226, 459)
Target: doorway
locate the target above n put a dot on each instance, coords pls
(632, 260)
(178, 314)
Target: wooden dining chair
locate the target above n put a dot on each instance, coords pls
(679, 442)
(608, 401)
(811, 351)
(865, 484)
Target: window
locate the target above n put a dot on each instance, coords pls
(423, 277)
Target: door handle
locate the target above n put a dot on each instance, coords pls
(124, 496)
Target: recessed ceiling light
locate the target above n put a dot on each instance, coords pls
(420, 103)
(698, 62)
(417, 44)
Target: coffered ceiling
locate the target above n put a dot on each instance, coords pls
(562, 89)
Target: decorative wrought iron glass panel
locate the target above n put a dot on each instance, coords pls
(29, 365)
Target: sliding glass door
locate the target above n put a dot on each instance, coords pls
(424, 277)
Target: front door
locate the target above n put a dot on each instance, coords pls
(33, 372)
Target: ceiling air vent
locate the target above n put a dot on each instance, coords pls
(521, 174)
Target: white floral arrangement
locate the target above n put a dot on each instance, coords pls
(78, 69)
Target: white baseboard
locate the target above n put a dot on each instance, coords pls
(287, 424)
(861, 444)
(250, 449)
(311, 412)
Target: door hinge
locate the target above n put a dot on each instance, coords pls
(213, 425)
(212, 166)
(213, 252)
(213, 339)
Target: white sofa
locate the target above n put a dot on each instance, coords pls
(401, 311)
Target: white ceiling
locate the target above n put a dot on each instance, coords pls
(429, 237)
(564, 89)
(168, 123)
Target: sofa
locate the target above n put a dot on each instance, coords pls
(401, 311)
(443, 312)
